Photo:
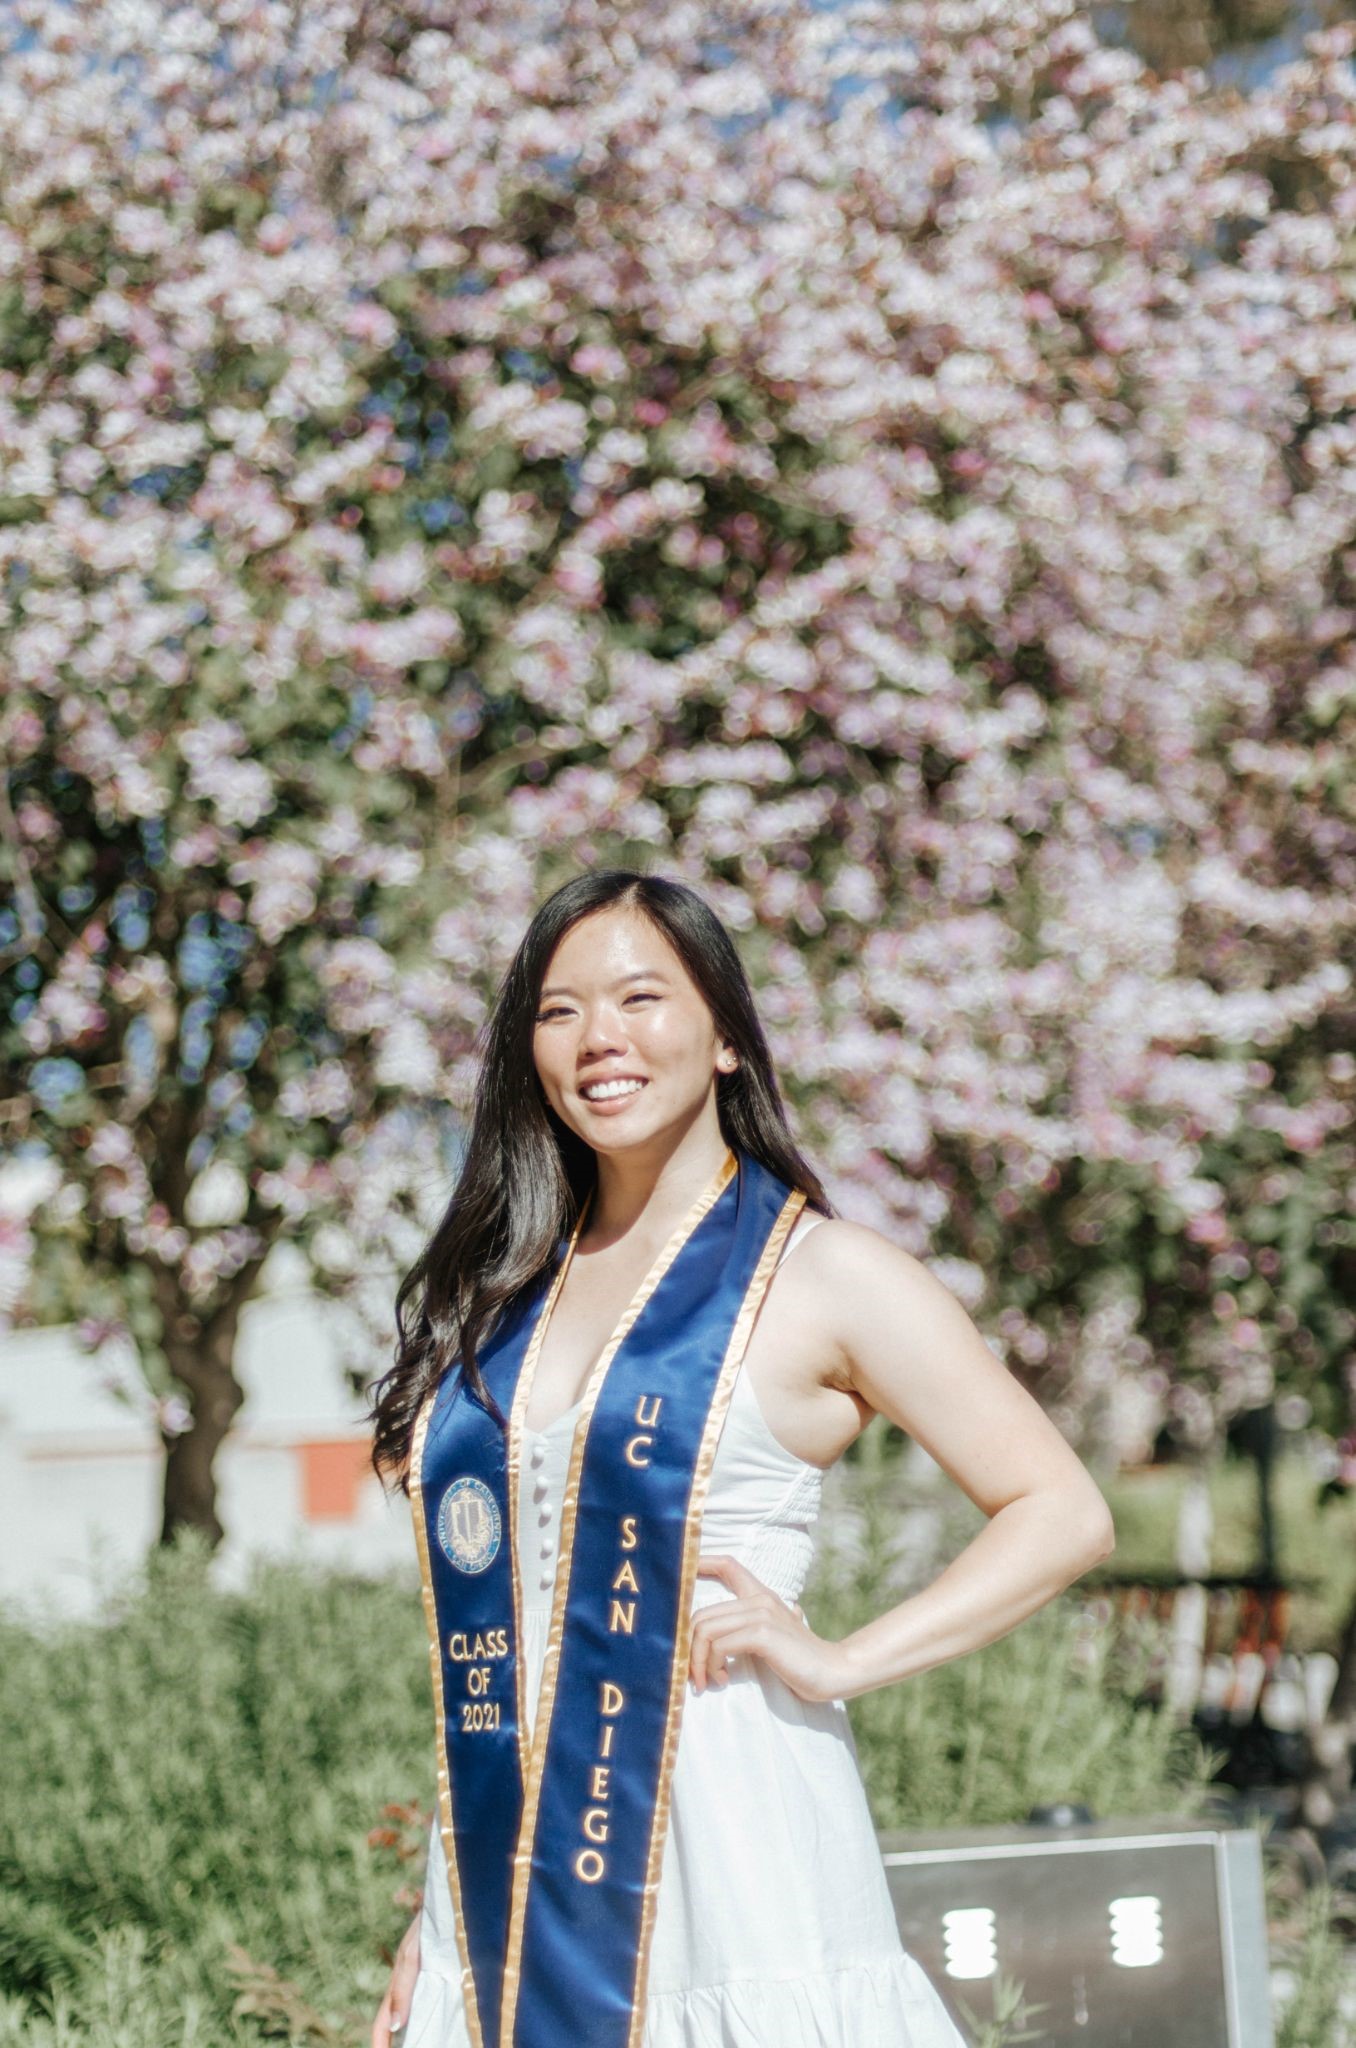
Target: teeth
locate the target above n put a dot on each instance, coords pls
(602, 1091)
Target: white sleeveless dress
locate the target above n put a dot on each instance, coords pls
(773, 1926)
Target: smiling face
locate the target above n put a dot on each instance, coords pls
(624, 1044)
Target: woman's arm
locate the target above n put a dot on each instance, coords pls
(909, 1348)
(394, 2011)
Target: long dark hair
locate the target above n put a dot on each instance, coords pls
(525, 1174)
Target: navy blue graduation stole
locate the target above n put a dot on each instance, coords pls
(554, 1844)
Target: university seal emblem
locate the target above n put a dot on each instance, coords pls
(469, 1524)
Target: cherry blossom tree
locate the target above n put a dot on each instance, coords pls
(890, 467)
(876, 544)
(230, 731)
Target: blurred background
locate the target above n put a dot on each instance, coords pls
(891, 466)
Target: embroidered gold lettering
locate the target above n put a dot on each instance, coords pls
(588, 1864)
(654, 1402)
(629, 1537)
(631, 1445)
(477, 1715)
(622, 1616)
(473, 1650)
(464, 1649)
(626, 1580)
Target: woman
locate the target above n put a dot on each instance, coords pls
(613, 1499)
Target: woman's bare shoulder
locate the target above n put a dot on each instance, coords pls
(858, 1282)
(839, 1277)
(836, 1248)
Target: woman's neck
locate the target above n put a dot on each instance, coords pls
(634, 1192)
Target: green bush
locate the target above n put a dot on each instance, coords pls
(188, 1792)
(1316, 1974)
(213, 1804)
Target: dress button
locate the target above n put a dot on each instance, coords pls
(548, 1580)
(548, 1544)
(541, 1489)
(544, 1514)
(538, 1454)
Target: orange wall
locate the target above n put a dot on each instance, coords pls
(331, 1475)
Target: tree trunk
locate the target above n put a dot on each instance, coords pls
(190, 1498)
(201, 1352)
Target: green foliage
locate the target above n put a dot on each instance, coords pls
(1312, 2013)
(1015, 2018)
(196, 1848)
(131, 1992)
(189, 1785)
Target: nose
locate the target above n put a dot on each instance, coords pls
(602, 1032)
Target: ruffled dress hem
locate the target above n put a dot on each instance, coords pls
(864, 2005)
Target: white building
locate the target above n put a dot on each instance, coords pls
(81, 1469)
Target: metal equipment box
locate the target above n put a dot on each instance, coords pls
(1131, 1934)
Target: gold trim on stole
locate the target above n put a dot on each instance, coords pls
(468, 1982)
(522, 1861)
(517, 1424)
(706, 1458)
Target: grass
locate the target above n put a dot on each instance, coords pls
(1312, 1542)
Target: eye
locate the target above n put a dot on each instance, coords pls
(637, 996)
